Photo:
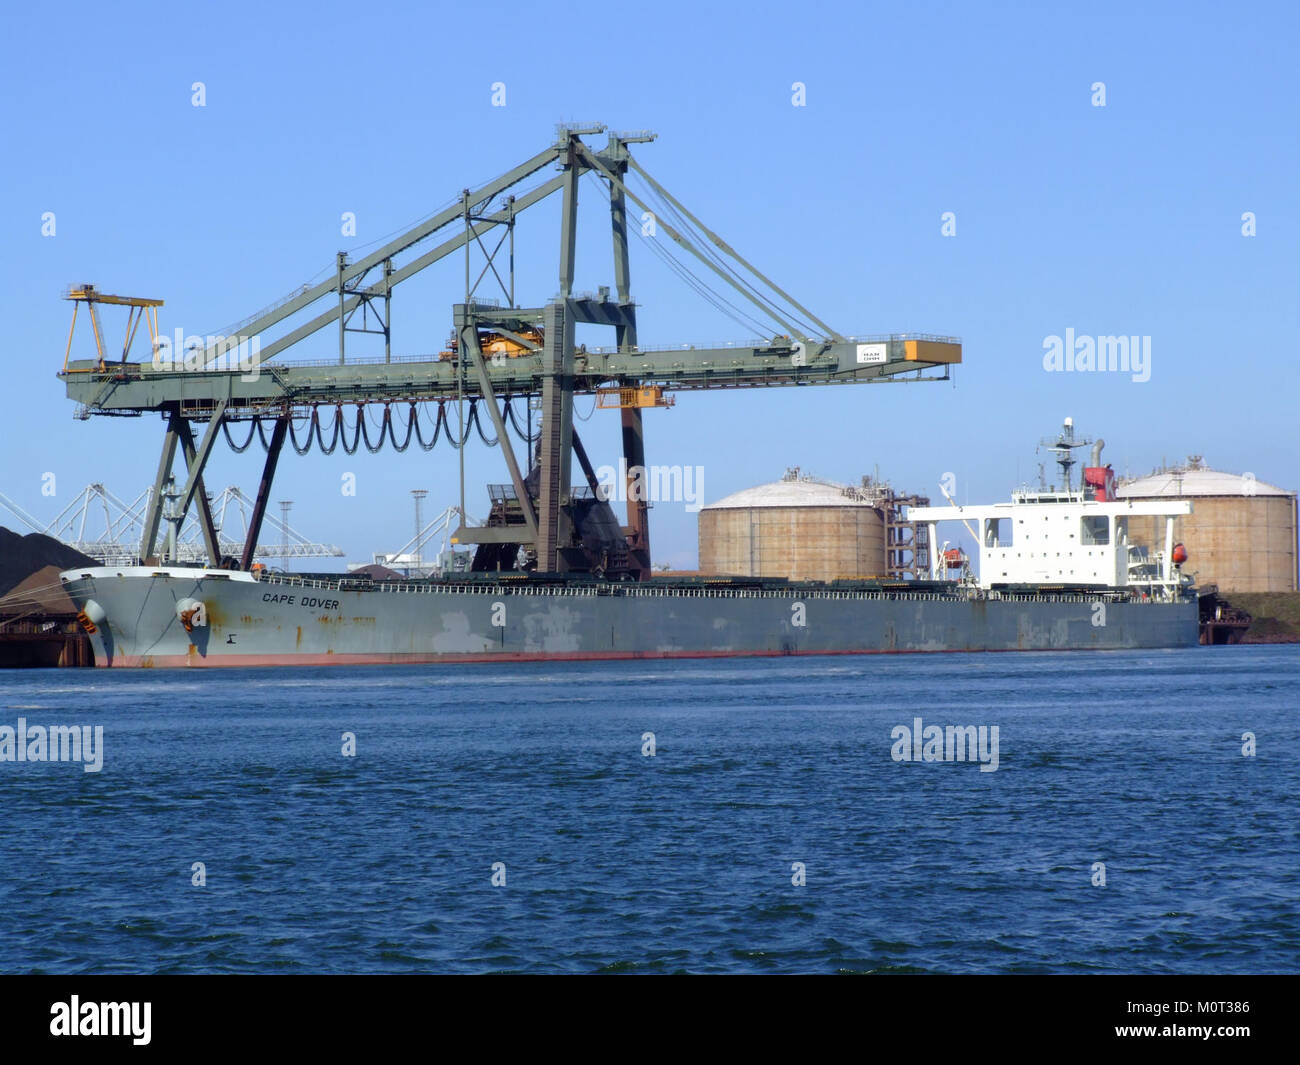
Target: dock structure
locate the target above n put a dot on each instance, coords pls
(28, 639)
(500, 352)
(39, 624)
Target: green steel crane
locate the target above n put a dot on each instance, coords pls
(498, 352)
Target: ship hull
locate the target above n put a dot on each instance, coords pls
(135, 614)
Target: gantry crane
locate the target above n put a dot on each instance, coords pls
(500, 351)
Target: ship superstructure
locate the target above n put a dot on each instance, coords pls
(1065, 540)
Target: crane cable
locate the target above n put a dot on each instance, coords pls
(697, 284)
(685, 226)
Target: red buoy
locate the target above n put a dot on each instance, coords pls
(1180, 554)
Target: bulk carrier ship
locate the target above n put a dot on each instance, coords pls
(1069, 581)
(555, 573)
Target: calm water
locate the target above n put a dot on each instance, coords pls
(615, 861)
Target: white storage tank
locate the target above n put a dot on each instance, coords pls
(1240, 536)
(799, 527)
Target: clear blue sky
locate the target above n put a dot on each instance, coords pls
(1123, 219)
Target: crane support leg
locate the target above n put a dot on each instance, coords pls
(197, 461)
(278, 434)
(638, 507)
(469, 343)
(556, 447)
(587, 471)
(154, 514)
(557, 437)
(205, 506)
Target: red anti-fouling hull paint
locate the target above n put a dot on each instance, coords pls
(255, 661)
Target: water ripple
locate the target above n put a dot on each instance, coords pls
(771, 831)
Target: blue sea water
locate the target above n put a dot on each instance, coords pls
(615, 861)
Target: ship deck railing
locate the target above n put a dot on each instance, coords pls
(643, 590)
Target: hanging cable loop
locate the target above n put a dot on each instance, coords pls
(261, 433)
(334, 438)
(238, 449)
(373, 448)
(437, 428)
(520, 431)
(312, 423)
(478, 424)
(356, 432)
(392, 433)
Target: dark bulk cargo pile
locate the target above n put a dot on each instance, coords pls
(38, 622)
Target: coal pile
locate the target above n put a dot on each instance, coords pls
(376, 572)
(22, 556)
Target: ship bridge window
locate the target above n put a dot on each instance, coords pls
(1095, 529)
(997, 532)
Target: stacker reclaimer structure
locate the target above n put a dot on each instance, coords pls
(500, 352)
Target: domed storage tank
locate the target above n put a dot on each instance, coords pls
(799, 527)
(1241, 534)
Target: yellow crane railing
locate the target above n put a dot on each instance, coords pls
(140, 308)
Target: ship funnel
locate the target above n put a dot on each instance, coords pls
(1096, 451)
